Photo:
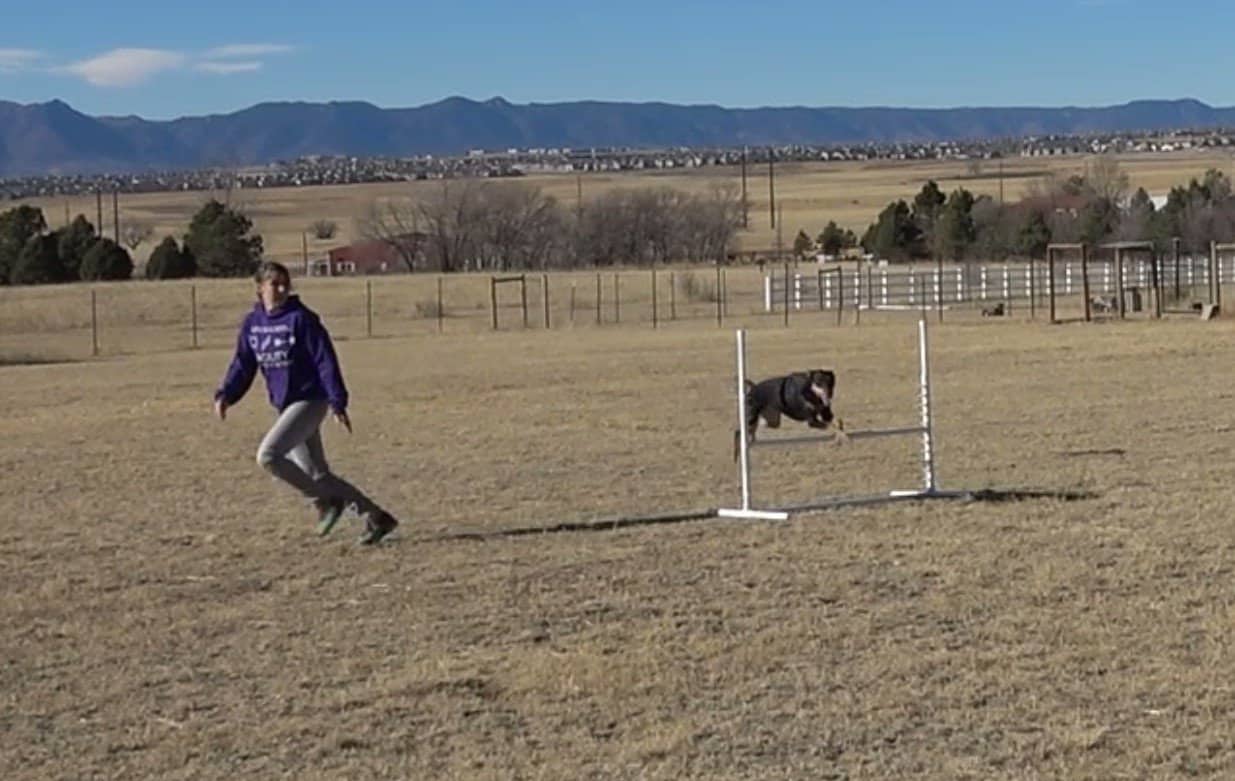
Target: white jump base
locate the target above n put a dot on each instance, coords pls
(929, 490)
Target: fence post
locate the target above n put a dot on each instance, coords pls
(193, 310)
(617, 298)
(94, 324)
(368, 305)
(787, 294)
(440, 313)
(523, 297)
(544, 294)
(673, 295)
(572, 303)
(493, 300)
(654, 323)
(598, 295)
(720, 296)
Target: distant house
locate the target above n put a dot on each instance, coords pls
(375, 256)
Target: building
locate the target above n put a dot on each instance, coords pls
(376, 256)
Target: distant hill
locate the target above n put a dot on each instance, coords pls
(54, 138)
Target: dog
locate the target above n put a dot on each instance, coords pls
(804, 396)
(993, 311)
(1104, 303)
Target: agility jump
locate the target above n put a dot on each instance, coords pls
(929, 490)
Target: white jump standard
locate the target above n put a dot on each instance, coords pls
(929, 489)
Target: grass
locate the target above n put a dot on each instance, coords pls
(808, 194)
(169, 612)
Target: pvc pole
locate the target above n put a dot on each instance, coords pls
(924, 391)
(743, 445)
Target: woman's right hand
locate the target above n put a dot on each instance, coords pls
(220, 409)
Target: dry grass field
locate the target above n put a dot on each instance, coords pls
(168, 612)
(810, 194)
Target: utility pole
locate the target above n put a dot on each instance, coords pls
(98, 205)
(115, 213)
(745, 202)
(771, 186)
(1001, 180)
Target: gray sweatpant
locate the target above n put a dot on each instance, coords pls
(292, 451)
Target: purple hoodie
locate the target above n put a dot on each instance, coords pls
(291, 347)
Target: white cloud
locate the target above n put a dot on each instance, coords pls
(125, 67)
(132, 66)
(246, 50)
(227, 68)
(17, 59)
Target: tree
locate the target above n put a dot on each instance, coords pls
(323, 229)
(1098, 220)
(106, 260)
(1136, 222)
(927, 208)
(16, 227)
(832, 239)
(219, 240)
(895, 234)
(38, 263)
(1104, 179)
(802, 245)
(75, 240)
(168, 261)
(954, 230)
(1034, 235)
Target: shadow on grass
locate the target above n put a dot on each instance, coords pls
(991, 495)
(22, 359)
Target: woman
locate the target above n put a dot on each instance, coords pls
(287, 341)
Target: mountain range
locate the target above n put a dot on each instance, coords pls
(53, 138)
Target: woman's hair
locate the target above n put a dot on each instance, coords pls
(268, 269)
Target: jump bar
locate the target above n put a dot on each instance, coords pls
(806, 439)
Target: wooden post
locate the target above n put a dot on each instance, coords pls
(1085, 282)
(819, 287)
(544, 294)
(724, 291)
(523, 297)
(786, 296)
(304, 253)
(440, 313)
(1175, 258)
(493, 300)
(1155, 281)
(1033, 308)
(1050, 283)
(368, 306)
(598, 295)
(617, 299)
(840, 295)
(720, 299)
(673, 295)
(654, 323)
(939, 286)
(193, 312)
(1119, 281)
(94, 324)
(572, 303)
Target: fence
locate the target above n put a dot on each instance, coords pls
(977, 285)
(66, 322)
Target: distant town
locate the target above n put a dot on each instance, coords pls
(332, 170)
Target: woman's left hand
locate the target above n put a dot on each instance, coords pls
(344, 421)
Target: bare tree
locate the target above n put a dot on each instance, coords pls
(135, 233)
(394, 223)
(1105, 179)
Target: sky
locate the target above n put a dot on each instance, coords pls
(161, 60)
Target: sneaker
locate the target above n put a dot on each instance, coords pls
(377, 526)
(328, 514)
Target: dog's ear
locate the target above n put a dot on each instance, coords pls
(824, 378)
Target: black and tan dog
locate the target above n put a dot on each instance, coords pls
(805, 396)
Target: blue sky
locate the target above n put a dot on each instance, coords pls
(163, 59)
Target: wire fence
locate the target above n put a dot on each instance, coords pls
(69, 322)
